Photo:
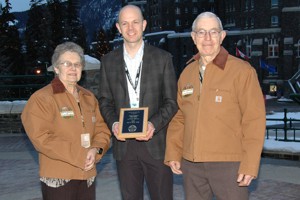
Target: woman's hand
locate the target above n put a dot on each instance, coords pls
(90, 159)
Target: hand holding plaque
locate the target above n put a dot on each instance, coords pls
(133, 122)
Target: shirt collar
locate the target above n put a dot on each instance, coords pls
(139, 53)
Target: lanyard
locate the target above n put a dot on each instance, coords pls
(137, 78)
(200, 76)
(201, 73)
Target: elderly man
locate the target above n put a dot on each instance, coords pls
(216, 138)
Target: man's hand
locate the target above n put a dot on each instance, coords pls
(244, 180)
(175, 167)
(115, 129)
(150, 133)
(90, 159)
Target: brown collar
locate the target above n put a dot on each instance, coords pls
(58, 87)
(220, 59)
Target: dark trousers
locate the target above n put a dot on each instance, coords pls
(73, 190)
(202, 181)
(137, 166)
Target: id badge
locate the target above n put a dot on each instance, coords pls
(134, 104)
(85, 140)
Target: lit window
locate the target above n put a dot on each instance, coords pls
(273, 88)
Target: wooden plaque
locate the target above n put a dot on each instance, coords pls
(133, 122)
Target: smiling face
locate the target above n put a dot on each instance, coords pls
(69, 68)
(208, 44)
(131, 25)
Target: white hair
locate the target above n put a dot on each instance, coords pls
(207, 15)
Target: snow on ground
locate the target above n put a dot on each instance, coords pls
(281, 146)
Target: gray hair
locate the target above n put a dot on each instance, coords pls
(206, 15)
(67, 47)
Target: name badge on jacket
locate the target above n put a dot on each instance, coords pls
(187, 90)
(66, 112)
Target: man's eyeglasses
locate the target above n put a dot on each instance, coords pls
(212, 33)
(68, 64)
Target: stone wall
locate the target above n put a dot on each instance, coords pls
(10, 124)
(90, 81)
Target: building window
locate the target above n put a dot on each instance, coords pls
(274, 21)
(273, 88)
(178, 22)
(252, 4)
(252, 22)
(246, 23)
(274, 3)
(230, 21)
(273, 48)
(186, 10)
(186, 22)
(195, 1)
(232, 7)
(229, 7)
(246, 4)
(298, 49)
(184, 51)
(195, 10)
(248, 48)
(177, 11)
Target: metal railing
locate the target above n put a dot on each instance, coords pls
(20, 87)
(288, 129)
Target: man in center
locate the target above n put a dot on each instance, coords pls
(139, 75)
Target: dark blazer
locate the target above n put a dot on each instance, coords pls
(158, 92)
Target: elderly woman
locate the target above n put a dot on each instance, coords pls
(65, 126)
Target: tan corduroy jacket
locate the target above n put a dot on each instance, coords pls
(52, 120)
(225, 121)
